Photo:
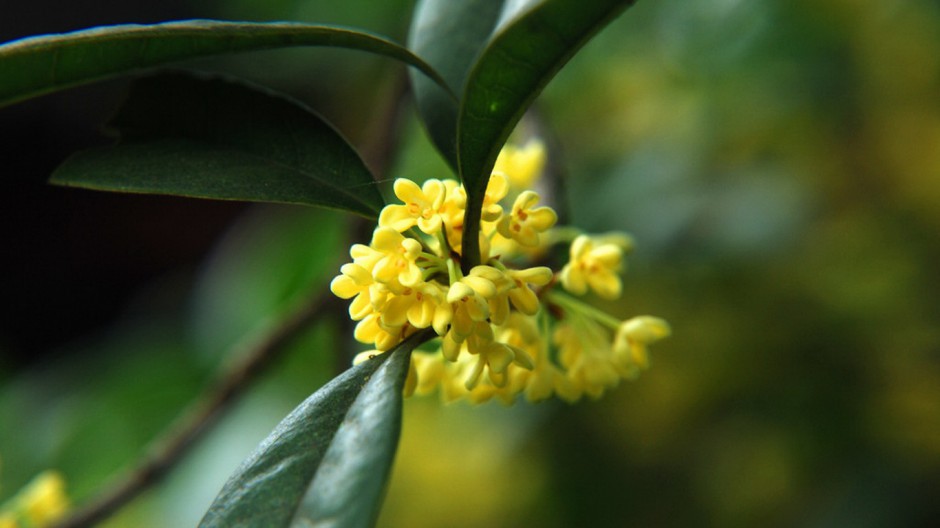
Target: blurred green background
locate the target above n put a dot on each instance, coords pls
(778, 162)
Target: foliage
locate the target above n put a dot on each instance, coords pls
(208, 138)
(776, 163)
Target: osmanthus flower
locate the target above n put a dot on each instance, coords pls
(522, 296)
(421, 206)
(355, 282)
(505, 328)
(496, 190)
(595, 263)
(586, 356)
(522, 165)
(393, 258)
(525, 222)
(416, 306)
(631, 354)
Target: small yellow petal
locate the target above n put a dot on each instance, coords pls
(395, 311)
(542, 218)
(360, 307)
(396, 217)
(458, 291)
(605, 284)
(573, 280)
(608, 254)
(344, 287)
(645, 329)
(406, 190)
(386, 239)
(525, 300)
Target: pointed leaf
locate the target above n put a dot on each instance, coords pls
(449, 34)
(327, 462)
(39, 65)
(527, 50)
(350, 483)
(210, 138)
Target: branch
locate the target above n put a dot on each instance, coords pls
(255, 356)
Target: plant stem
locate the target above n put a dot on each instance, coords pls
(256, 354)
(470, 246)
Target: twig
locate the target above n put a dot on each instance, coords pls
(252, 361)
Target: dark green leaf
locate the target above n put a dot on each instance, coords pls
(527, 50)
(39, 65)
(350, 483)
(327, 462)
(217, 139)
(449, 34)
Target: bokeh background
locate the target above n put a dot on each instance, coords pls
(778, 162)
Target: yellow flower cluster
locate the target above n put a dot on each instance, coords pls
(503, 330)
(41, 503)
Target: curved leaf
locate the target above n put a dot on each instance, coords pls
(527, 50)
(39, 65)
(449, 34)
(350, 483)
(209, 138)
(327, 462)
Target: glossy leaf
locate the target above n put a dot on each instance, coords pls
(210, 138)
(529, 47)
(38, 65)
(327, 462)
(449, 35)
(350, 483)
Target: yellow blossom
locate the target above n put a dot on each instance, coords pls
(421, 206)
(395, 258)
(416, 306)
(496, 190)
(494, 341)
(495, 356)
(498, 301)
(452, 212)
(429, 369)
(370, 331)
(522, 297)
(478, 377)
(585, 354)
(593, 264)
(355, 281)
(538, 382)
(631, 340)
(522, 165)
(525, 222)
(469, 298)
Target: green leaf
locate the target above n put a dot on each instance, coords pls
(39, 65)
(449, 34)
(209, 138)
(530, 46)
(327, 462)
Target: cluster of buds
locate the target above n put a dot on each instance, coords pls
(503, 329)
